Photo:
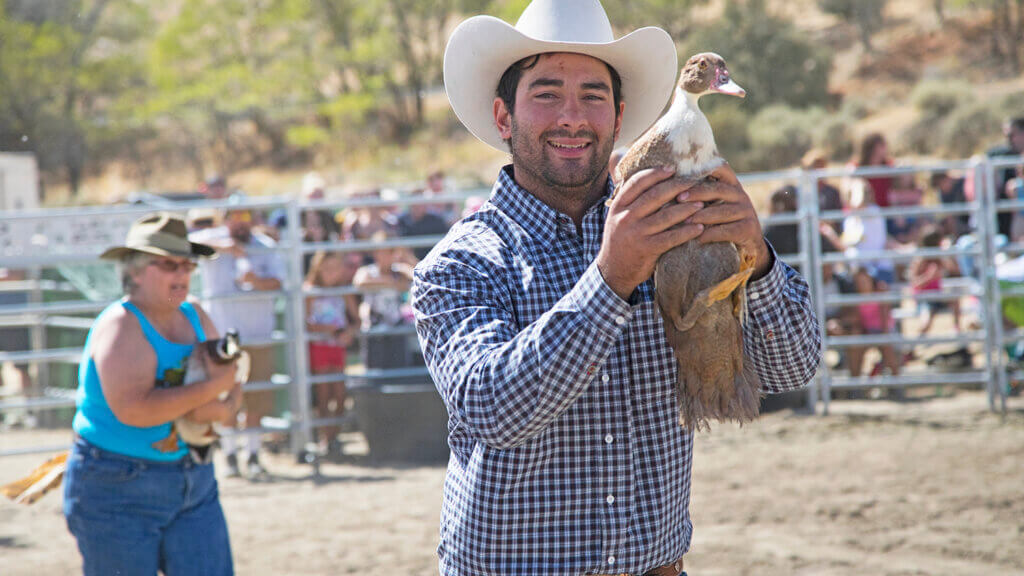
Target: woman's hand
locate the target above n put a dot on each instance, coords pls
(222, 376)
(217, 410)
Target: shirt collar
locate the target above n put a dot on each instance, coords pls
(537, 218)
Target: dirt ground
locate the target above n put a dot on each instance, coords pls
(933, 486)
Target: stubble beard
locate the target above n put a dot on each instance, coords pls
(575, 181)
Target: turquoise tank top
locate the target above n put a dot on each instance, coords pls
(94, 420)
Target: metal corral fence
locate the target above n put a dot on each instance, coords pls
(57, 247)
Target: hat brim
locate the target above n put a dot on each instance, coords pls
(483, 47)
(198, 250)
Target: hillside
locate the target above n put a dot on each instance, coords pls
(868, 91)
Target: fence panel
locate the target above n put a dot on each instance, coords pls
(45, 239)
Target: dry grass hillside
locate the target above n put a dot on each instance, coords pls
(910, 48)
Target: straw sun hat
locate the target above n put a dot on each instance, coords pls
(483, 47)
(161, 234)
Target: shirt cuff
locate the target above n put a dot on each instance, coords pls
(599, 303)
(767, 289)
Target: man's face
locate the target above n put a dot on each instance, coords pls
(564, 124)
(239, 225)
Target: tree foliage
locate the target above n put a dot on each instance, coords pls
(766, 55)
(867, 15)
(64, 68)
(672, 15)
(222, 85)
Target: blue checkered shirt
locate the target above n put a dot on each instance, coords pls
(566, 452)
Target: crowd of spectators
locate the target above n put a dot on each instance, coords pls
(873, 223)
(356, 305)
(340, 323)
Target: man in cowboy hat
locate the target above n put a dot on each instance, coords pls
(536, 317)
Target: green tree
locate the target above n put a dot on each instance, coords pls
(392, 50)
(766, 55)
(867, 15)
(63, 68)
(671, 15)
(230, 76)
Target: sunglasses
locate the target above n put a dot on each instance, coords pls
(174, 265)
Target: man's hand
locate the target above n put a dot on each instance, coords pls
(643, 223)
(729, 216)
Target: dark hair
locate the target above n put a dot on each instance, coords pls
(510, 81)
(867, 148)
(930, 236)
(785, 197)
(1016, 123)
(937, 178)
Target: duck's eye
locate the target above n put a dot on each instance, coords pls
(703, 64)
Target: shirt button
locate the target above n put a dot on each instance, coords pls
(610, 499)
(609, 439)
(755, 295)
(620, 320)
(611, 560)
(605, 378)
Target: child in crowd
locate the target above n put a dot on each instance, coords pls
(334, 318)
(874, 318)
(384, 284)
(386, 281)
(926, 275)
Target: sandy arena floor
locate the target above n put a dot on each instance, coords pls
(877, 487)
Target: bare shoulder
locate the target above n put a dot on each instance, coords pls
(209, 328)
(118, 329)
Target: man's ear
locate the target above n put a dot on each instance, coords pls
(618, 120)
(502, 118)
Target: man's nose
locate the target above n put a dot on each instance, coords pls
(572, 116)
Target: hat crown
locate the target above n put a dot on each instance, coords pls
(159, 223)
(579, 21)
(162, 231)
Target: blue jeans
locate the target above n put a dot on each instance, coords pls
(132, 516)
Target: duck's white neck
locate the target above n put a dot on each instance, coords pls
(690, 134)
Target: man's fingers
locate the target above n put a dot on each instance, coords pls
(735, 232)
(709, 191)
(636, 184)
(665, 241)
(672, 214)
(726, 174)
(666, 192)
(719, 214)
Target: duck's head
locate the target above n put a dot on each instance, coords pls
(706, 72)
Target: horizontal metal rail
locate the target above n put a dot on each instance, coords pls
(903, 380)
(891, 256)
(884, 339)
(809, 259)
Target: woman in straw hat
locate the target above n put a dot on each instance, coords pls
(135, 503)
(536, 313)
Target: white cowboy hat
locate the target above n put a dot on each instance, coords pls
(483, 47)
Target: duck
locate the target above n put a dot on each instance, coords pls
(700, 288)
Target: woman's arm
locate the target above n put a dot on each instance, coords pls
(126, 364)
(218, 410)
